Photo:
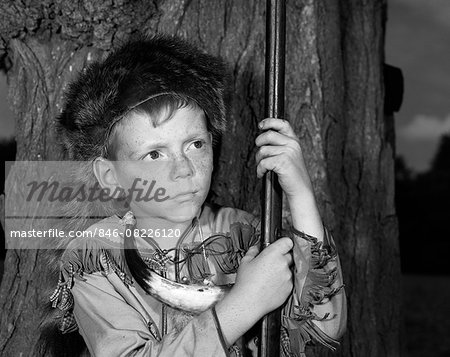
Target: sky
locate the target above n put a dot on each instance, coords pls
(417, 41)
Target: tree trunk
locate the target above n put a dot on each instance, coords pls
(334, 100)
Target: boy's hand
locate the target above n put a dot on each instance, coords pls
(264, 280)
(263, 283)
(280, 151)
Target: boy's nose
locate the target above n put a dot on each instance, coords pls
(182, 167)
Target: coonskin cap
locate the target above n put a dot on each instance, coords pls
(139, 70)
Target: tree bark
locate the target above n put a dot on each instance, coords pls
(334, 100)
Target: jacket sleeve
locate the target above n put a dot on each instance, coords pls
(316, 311)
(112, 323)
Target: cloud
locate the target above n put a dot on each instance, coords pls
(438, 10)
(423, 127)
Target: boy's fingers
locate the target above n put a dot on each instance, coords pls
(271, 137)
(252, 252)
(268, 151)
(286, 244)
(282, 245)
(280, 125)
(289, 258)
(266, 164)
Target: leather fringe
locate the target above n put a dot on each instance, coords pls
(317, 289)
(58, 330)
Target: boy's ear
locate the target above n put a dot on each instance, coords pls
(105, 173)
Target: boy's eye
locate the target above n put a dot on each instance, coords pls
(154, 155)
(198, 144)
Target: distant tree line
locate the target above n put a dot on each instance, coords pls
(423, 209)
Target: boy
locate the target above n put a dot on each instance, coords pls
(149, 115)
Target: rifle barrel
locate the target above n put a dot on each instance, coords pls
(269, 345)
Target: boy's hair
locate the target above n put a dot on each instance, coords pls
(140, 70)
(158, 109)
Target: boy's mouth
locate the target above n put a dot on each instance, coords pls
(186, 195)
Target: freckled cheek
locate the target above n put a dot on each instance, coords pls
(161, 173)
(204, 167)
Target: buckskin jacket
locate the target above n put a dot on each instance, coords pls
(97, 296)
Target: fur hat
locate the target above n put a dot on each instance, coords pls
(144, 68)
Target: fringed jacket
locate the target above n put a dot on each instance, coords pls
(97, 298)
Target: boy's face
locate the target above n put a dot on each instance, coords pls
(172, 163)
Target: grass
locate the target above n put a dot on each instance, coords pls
(426, 307)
